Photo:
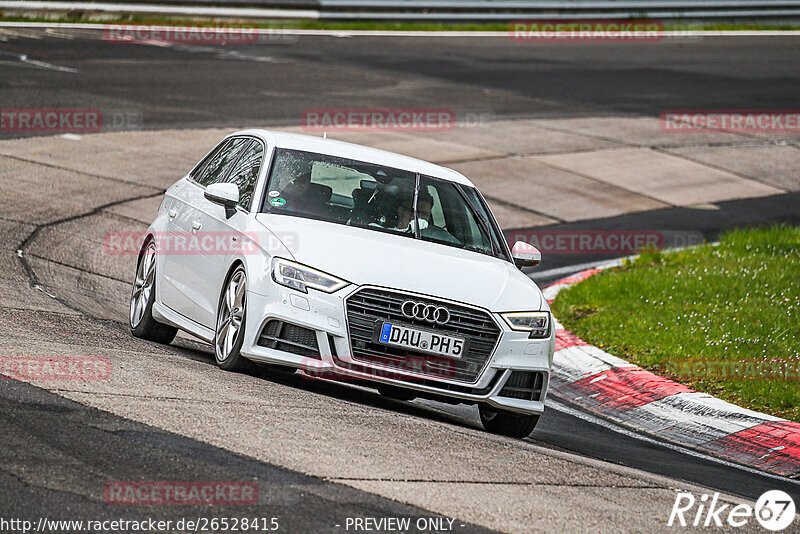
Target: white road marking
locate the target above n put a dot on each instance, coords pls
(41, 64)
(605, 423)
(45, 65)
(580, 361)
(574, 269)
(773, 449)
(40, 288)
(599, 378)
(220, 53)
(693, 418)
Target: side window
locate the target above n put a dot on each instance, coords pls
(436, 212)
(198, 170)
(494, 236)
(218, 164)
(245, 172)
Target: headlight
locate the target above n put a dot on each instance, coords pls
(300, 277)
(537, 323)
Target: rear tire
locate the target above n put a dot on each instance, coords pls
(507, 423)
(143, 295)
(231, 323)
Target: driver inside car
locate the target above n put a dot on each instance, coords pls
(405, 212)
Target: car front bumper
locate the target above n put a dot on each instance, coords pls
(325, 315)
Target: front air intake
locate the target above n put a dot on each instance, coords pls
(524, 385)
(288, 337)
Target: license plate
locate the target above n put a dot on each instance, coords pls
(422, 340)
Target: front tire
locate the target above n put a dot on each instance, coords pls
(507, 423)
(231, 322)
(143, 295)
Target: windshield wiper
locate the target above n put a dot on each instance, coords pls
(480, 250)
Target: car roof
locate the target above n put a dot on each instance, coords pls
(342, 149)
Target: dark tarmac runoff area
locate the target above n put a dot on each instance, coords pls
(568, 138)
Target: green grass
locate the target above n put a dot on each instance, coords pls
(100, 18)
(735, 302)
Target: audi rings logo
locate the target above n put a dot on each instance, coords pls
(430, 313)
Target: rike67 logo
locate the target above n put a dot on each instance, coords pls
(774, 510)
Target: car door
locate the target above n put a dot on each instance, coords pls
(186, 240)
(171, 290)
(217, 233)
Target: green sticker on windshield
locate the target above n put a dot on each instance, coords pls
(277, 202)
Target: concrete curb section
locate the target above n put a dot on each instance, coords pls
(608, 386)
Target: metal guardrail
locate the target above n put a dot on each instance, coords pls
(507, 10)
(779, 15)
(459, 10)
(573, 5)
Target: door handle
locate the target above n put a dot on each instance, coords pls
(173, 214)
(196, 226)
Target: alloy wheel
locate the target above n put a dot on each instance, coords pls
(143, 285)
(231, 315)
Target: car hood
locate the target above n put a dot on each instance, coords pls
(368, 257)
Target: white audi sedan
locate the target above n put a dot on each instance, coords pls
(349, 263)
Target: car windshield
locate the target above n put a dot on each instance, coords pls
(384, 199)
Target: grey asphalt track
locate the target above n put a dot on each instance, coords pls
(271, 83)
(64, 453)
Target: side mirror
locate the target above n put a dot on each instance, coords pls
(225, 194)
(525, 255)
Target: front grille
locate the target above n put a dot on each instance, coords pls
(288, 337)
(367, 308)
(523, 385)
